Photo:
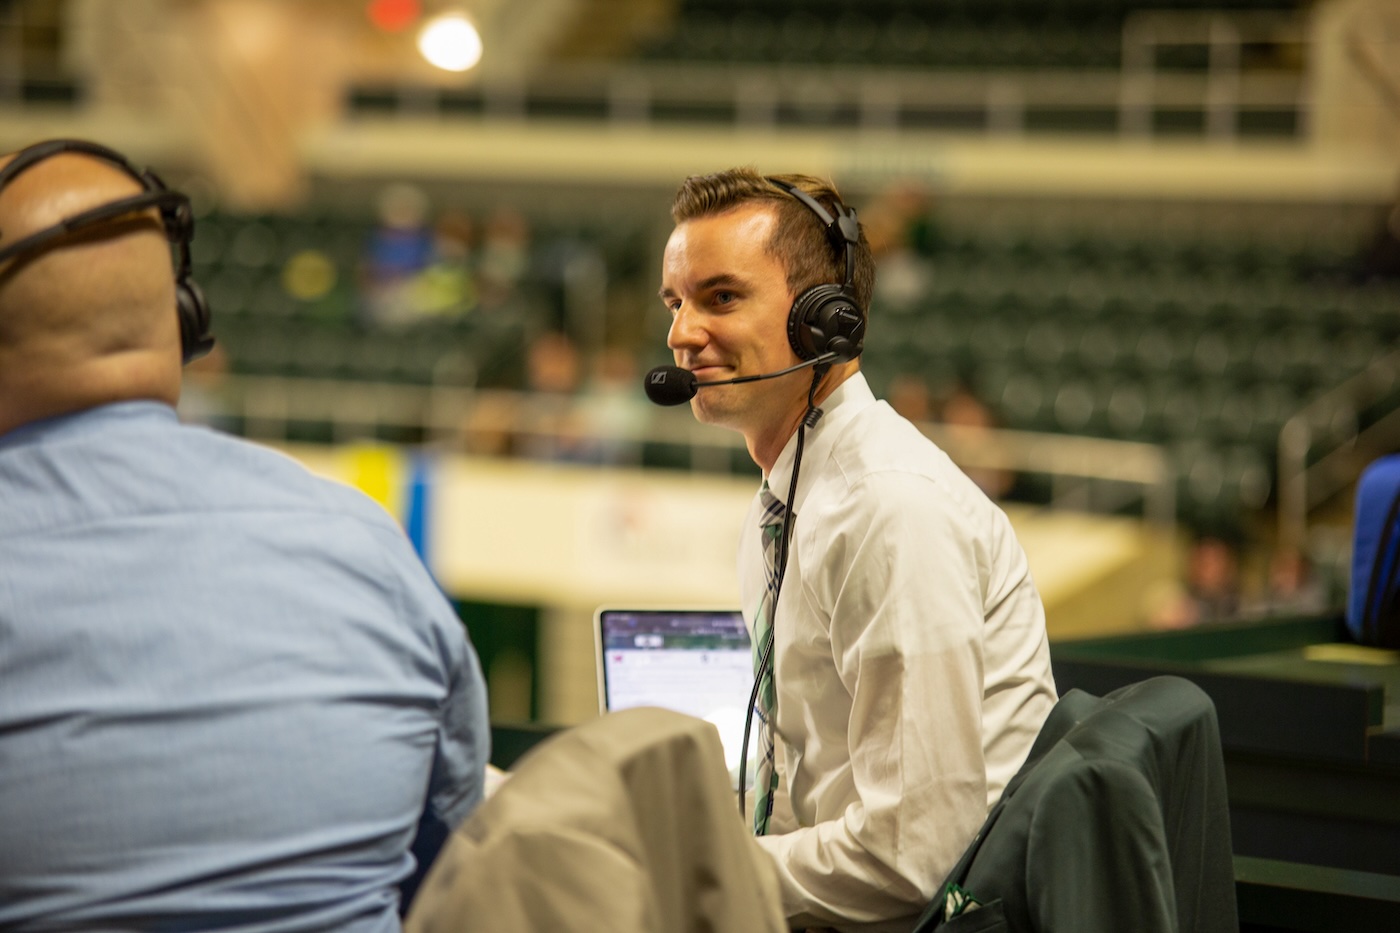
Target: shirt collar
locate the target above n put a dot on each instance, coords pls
(88, 421)
(843, 405)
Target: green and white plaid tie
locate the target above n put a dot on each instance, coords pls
(766, 778)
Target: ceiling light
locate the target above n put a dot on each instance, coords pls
(450, 42)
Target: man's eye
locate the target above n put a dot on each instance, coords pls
(723, 298)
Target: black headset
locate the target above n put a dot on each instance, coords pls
(175, 215)
(828, 318)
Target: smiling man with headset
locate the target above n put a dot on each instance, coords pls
(906, 670)
(229, 690)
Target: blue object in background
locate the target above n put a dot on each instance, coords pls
(418, 506)
(1373, 606)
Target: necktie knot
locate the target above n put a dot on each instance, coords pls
(773, 508)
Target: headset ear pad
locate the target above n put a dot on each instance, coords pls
(195, 339)
(826, 319)
(190, 304)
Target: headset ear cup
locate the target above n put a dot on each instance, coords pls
(826, 319)
(844, 326)
(800, 336)
(193, 311)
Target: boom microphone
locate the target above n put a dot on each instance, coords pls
(671, 385)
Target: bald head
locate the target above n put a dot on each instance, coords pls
(89, 319)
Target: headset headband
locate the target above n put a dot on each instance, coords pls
(843, 230)
(169, 202)
(176, 217)
(174, 206)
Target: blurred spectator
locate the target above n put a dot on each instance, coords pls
(551, 424)
(505, 256)
(1213, 578)
(1212, 589)
(909, 395)
(447, 287)
(615, 412)
(488, 426)
(1290, 586)
(552, 364)
(399, 247)
(896, 223)
(546, 421)
(973, 444)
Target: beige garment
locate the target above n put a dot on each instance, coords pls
(623, 824)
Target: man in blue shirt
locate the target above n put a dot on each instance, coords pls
(229, 690)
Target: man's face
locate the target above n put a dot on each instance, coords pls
(729, 304)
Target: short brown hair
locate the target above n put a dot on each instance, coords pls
(800, 241)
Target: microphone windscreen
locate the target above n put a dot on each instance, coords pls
(671, 385)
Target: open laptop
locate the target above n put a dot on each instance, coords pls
(694, 661)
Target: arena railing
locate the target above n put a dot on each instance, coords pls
(1086, 474)
(1324, 447)
(1230, 95)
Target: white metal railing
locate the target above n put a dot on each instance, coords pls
(883, 97)
(1087, 473)
(886, 97)
(1328, 427)
(1226, 85)
(1003, 101)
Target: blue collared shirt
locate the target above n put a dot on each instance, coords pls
(228, 688)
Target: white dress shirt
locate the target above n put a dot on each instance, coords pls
(911, 661)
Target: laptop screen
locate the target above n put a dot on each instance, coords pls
(694, 661)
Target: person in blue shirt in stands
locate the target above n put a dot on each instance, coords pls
(229, 690)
